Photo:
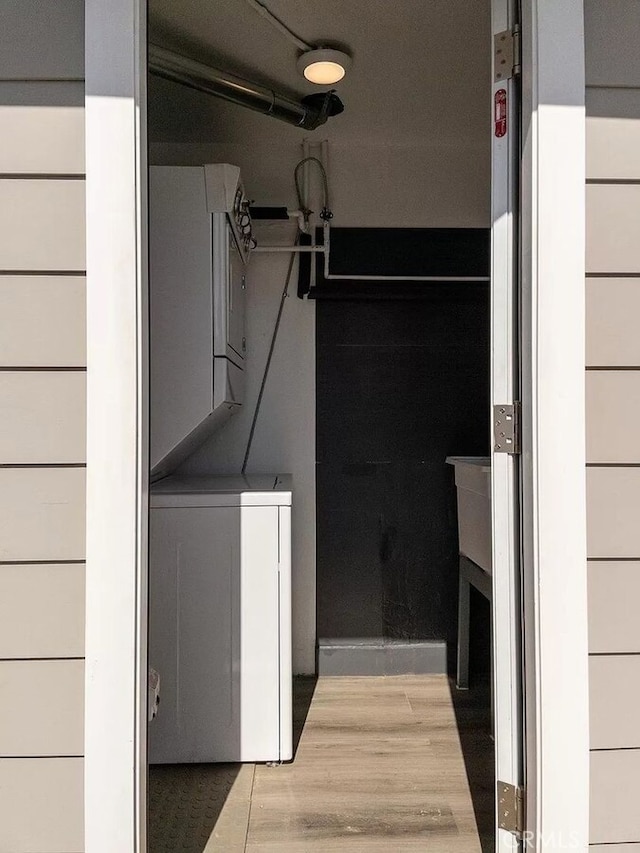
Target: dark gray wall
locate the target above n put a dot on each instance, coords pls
(401, 384)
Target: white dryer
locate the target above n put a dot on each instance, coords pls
(199, 243)
(220, 619)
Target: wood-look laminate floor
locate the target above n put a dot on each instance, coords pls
(383, 764)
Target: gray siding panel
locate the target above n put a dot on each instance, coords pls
(42, 128)
(41, 708)
(611, 35)
(613, 512)
(613, 225)
(42, 610)
(41, 807)
(615, 816)
(42, 225)
(613, 309)
(42, 40)
(613, 134)
(44, 417)
(42, 514)
(614, 593)
(42, 321)
(612, 29)
(619, 848)
(42, 429)
(614, 684)
(613, 415)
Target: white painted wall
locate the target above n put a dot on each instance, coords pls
(284, 439)
(399, 180)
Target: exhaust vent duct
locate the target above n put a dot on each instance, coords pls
(309, 113)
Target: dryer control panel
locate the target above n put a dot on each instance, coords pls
(226, 194)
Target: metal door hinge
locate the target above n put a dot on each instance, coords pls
(506, 54)
(506, 428)
(511, 808)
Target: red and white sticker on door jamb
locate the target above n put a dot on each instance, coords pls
(500, 113)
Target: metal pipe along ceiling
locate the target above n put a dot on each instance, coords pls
(172, 66)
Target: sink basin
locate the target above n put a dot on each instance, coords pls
(473, 487)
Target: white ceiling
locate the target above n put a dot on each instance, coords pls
(412, 148)
(420, 71)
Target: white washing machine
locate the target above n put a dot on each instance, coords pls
(220, 619)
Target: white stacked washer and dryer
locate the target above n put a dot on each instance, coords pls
(220, 548)
(219, 619)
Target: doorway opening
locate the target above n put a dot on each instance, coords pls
(337, 391)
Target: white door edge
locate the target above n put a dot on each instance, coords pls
(505, 499)
(117, 453)
(553, 459)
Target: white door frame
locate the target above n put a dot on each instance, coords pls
(553, 458)
(117, 454)
(554, 517)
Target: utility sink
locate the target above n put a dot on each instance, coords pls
(473, 486)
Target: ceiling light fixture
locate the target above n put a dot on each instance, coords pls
(324, 65)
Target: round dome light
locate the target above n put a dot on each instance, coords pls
(324, 66)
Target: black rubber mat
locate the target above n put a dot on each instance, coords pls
(185, 801)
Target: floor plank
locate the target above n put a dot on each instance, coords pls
(383, 765)
(379, 767)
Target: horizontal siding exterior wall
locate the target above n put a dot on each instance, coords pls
(42, 40)
(615, 699)
(613, 396)
(42, 514)
(613, 222)
(41, 708)
(42, 610)
(41, 805)
(613, 418)
(43, 128)
(615, 816)
(619, 848)
(44, 418)
(42, 224)
(42, 433)
(42, 321)
(614, 136)
(613, 531)
(614, 593)
(612, 311)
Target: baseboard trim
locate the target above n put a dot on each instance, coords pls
(377, 657)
